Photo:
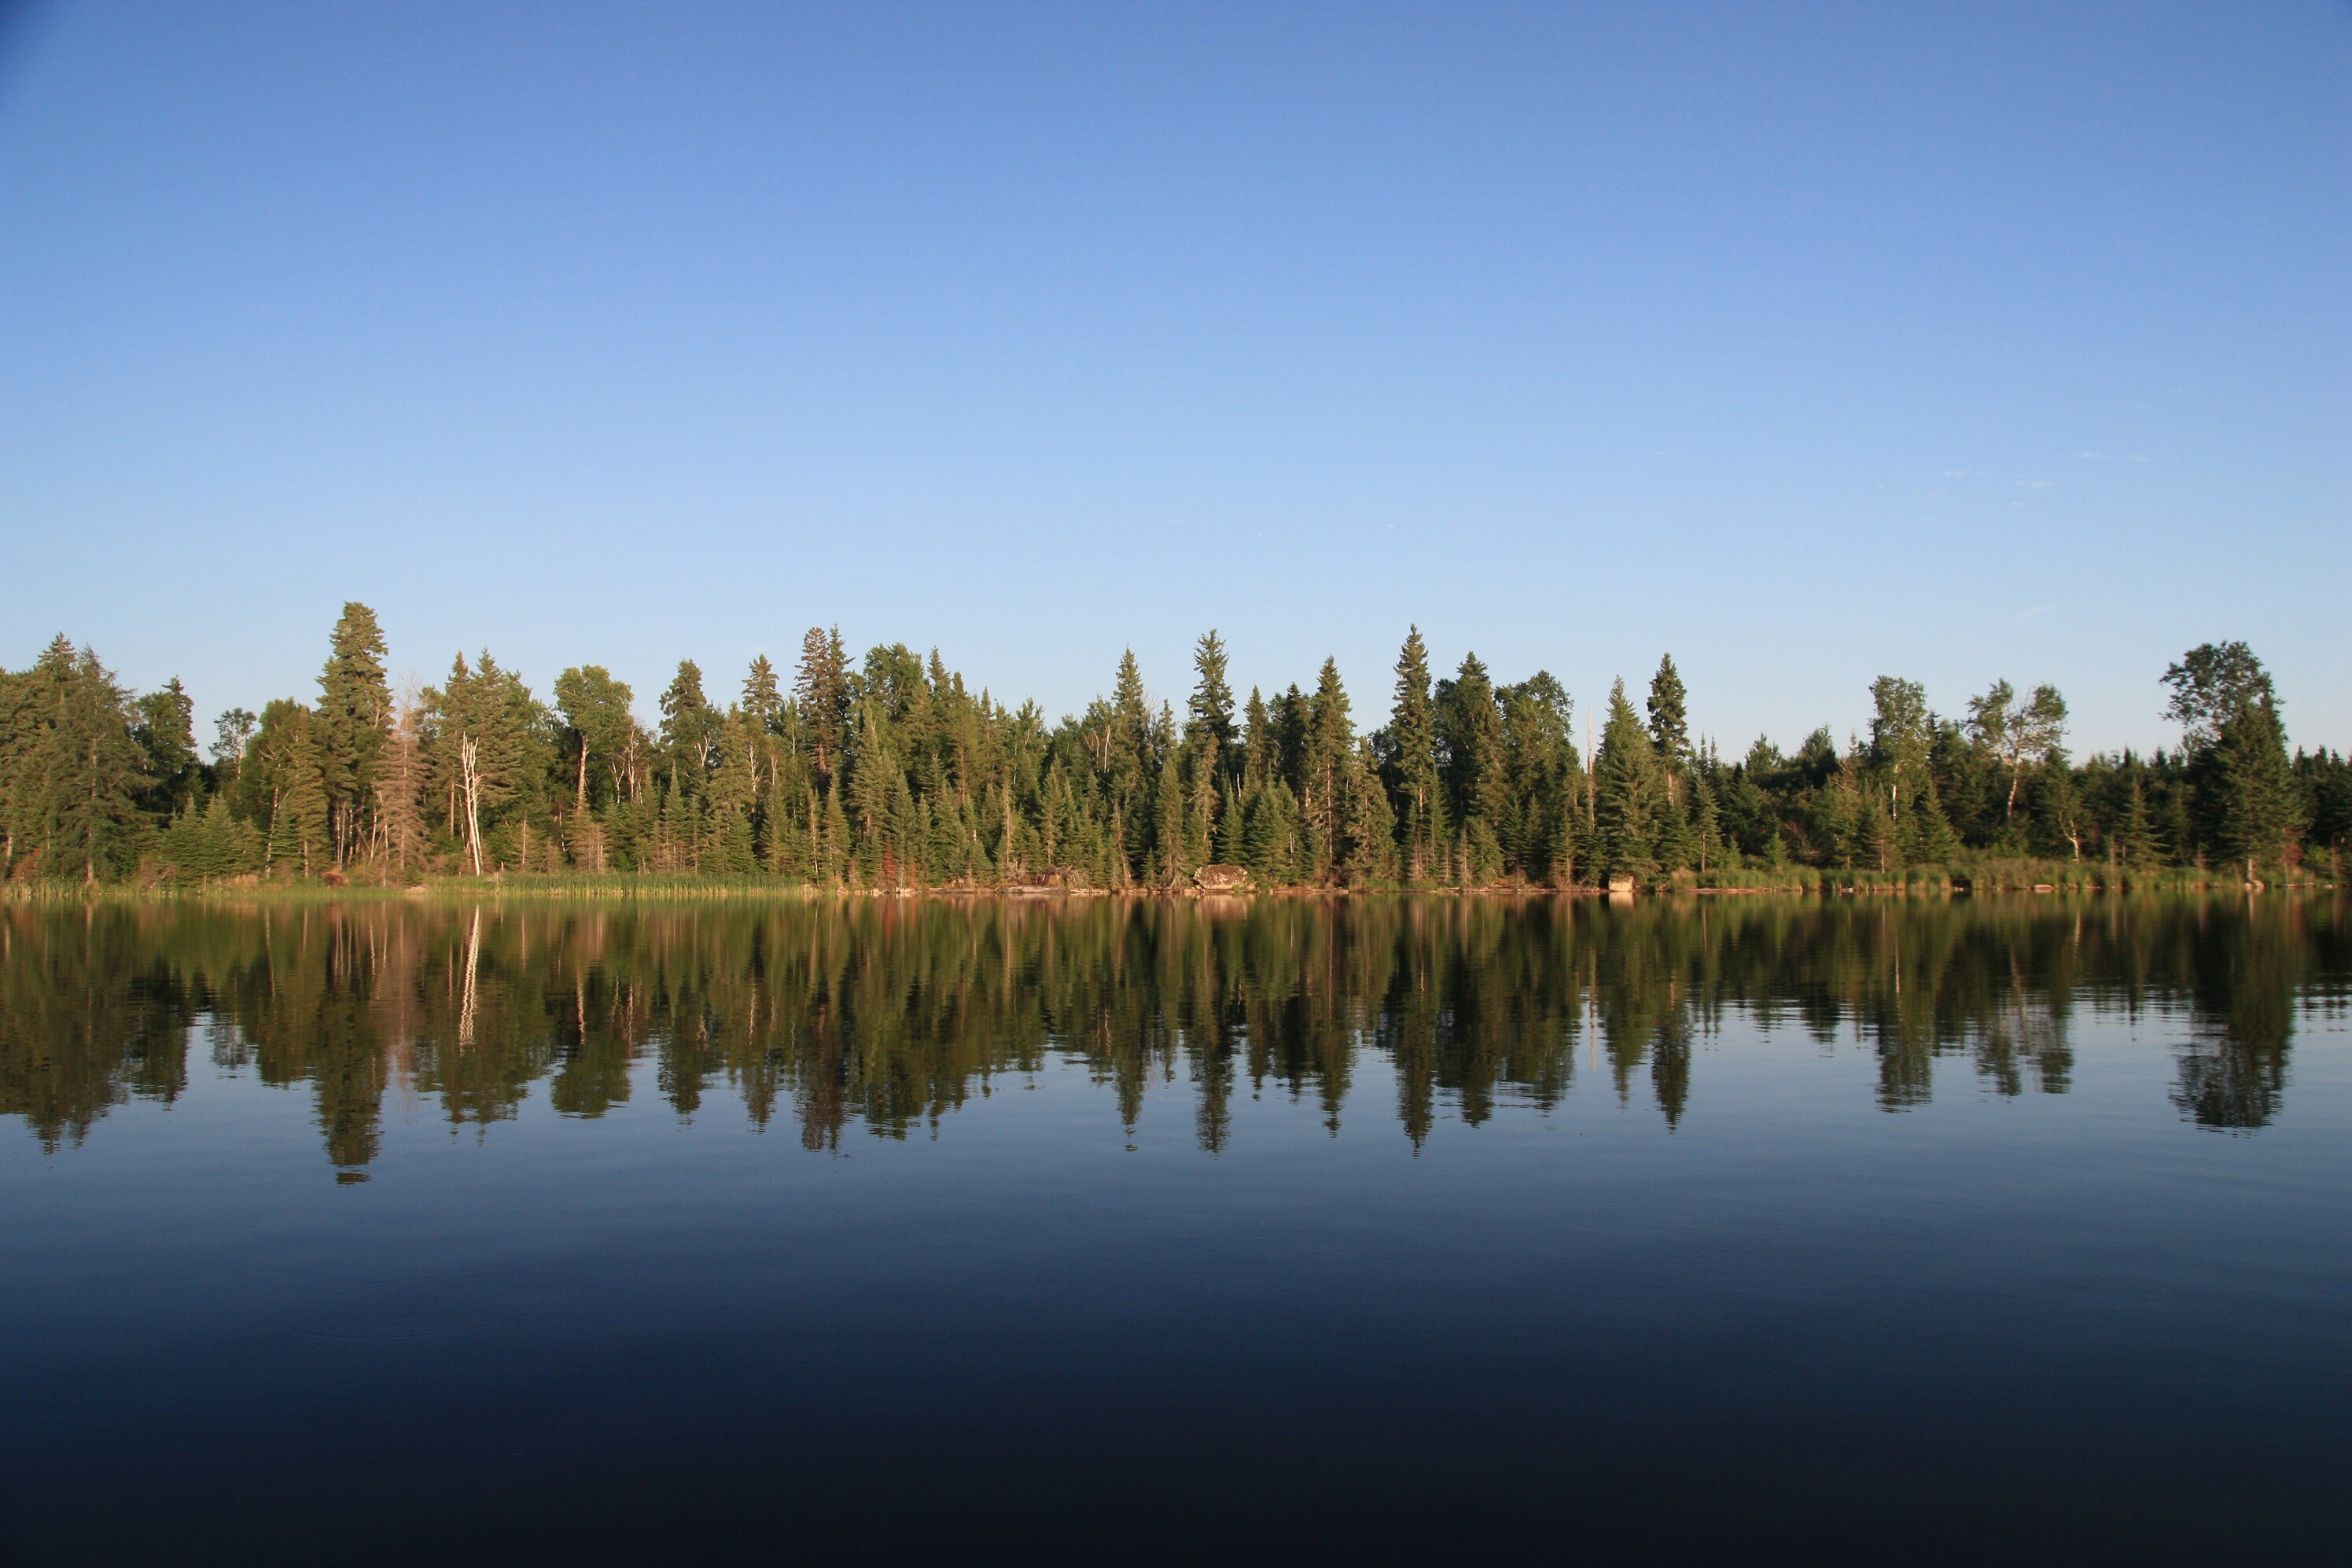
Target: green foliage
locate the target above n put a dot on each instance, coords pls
(1669, 724)
(355, 716)
(895, 775)
(1629, 795)
(71, 771)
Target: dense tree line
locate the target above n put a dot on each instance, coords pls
(892, 773)
(832, 1014)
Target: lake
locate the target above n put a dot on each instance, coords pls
(1164, 1230)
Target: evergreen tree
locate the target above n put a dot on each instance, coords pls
(1233, 848)
(1412, 763)
(399, 786)
(822, 690)
(69, 768)
(834, 843)
(1209, 712)
(1470, 729)
(165, 731)
(2133, 837)
(1369, 853)
(1327, 741)
(299, 833)
(354, 714)
(2256, 808)
(1171, 864)
(761, 698)
(2244, 792)
(1259, 750)
(1669, 725)
(689, 728)
(1270, 835)
(1629, 792)
(211, 845)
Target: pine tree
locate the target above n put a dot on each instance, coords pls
(1209, 712)
(1706, 822)
(1259, 750)
(299, 835)
(1270, 833)
(399, 785)
(1368, 854)
(874, 780)
(2257, 806)
(165, 731)
(1628, 794)
(70, 772)
(2134, 834)
(1170, 863)
(761, 698)
(689, 727)
(822, 690)
(1470, 728)
(1669, 725)
(354, 714)
(834, 843)
(1412, 752)
(1327, 742)
(1233, 848)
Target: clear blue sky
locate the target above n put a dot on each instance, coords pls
(1809, 342)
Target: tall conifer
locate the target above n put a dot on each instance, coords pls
(354, 715)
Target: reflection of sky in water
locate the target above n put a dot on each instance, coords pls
(1609, 1224)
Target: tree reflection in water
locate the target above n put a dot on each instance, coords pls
(888, 1015)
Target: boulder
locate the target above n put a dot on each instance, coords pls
(1222, 878)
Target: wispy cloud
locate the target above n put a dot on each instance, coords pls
(1959, 473)
(2036, 484)
(2094, 456)
(2036, 610)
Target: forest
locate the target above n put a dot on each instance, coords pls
(892, 773)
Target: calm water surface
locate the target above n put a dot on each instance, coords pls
(806, 1232)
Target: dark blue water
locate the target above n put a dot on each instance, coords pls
(1944, 1231)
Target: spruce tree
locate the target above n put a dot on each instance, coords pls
(1169, 861)
(1327, 742)
(689, 726)
(1669, 724)
(1233, 848)
(354, 714)
(165, 731)
(2134, 834)
(1470, 728)
(822, 690)
(761, 698)
(301, 834)
(71, 775)
(1209, 712)
(1412, 752)
(1257, 742)
(1628, 794)
(833, 856)
(2257, 806)
(1369, 822)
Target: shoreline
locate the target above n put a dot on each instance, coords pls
(679, 889)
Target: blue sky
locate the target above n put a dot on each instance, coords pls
(1808, 342)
